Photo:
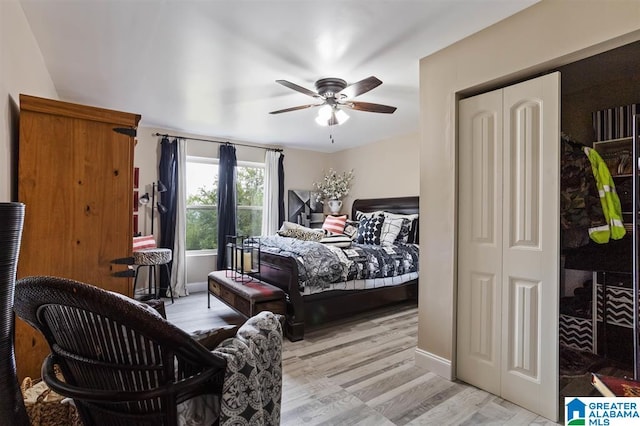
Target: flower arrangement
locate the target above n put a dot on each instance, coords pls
(334, 186)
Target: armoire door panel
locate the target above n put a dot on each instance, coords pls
(75, 177)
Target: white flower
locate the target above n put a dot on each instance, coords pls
(333, 186)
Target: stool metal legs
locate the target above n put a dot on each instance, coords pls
(166, 268)
(153, 287)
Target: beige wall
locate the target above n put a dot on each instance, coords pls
(302, 168)
(22, 70)
(544, 36)
(389, 168)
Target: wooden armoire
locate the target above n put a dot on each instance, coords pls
(75, 177)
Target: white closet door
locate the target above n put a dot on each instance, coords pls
(480, 241)
(508, 263)
(530, 282)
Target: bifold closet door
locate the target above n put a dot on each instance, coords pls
(508, 263)
(480, 241)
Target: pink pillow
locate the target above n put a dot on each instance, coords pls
(146, 242)
(334, 224)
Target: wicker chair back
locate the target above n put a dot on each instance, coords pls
(122, 363)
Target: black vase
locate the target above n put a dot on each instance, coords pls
(12, 410)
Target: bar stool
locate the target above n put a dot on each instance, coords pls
(153, 257)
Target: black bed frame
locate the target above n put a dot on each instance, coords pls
(320, 308)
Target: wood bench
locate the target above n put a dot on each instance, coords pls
(248, 298)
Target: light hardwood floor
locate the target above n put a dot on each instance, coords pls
(362, 372)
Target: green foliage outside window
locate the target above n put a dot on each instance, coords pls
(202, 210)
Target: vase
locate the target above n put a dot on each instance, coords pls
(12, 408)
(334, 206)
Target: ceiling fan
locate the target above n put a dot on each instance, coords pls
(334, 94)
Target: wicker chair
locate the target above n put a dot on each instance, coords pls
(122, 363)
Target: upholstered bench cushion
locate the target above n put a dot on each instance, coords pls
(152, 256)
(248, 298)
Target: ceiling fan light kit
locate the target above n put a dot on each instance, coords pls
(334, 94)
(331, 115)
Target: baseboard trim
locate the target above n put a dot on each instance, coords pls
(434, 363)
(197, 287)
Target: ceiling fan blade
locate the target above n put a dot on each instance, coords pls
(296, 108)
(297, 88)
(360, 87)
(369, 107)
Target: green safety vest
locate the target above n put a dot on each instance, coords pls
(609, 199)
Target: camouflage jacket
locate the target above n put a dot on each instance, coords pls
(580, 206)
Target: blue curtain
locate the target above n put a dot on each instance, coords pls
(168, 175)
(227, 220)
(281, 190)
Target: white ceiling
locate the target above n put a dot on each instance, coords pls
(209, 67)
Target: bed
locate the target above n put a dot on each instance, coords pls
(308, 310)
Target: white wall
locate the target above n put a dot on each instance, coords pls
(22, 70)
(546, 35)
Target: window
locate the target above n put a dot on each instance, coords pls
(202, 198)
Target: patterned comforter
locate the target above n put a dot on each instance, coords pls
(321, 264)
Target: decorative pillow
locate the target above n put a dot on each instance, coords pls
(342, 241)
(412, 235)
(403, 235)
(334, 224)
(291, 225)
(146, 242)
(390, 229)
(370, 229)
(351, 231)
(302, 234)
(362, 215)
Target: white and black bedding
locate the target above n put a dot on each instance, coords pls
(320, 265)
(377, 266)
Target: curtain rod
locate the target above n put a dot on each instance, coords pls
(214, 141)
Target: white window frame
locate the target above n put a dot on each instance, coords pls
(216, 161)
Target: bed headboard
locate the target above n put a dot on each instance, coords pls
(404, 205)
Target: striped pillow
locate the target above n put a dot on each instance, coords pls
(342, 241)
(334, 224)
(146, 242)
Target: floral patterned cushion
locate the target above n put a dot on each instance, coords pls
(302, 234)
(252, 388)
